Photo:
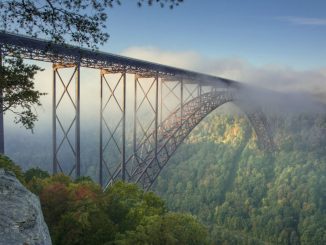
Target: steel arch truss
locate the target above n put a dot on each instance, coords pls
(259, 123)
(172, 132)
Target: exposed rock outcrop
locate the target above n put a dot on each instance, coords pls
(21, 217)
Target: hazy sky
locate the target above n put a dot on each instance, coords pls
(281, 32)
(278, 44)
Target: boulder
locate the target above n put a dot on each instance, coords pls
(21, 217)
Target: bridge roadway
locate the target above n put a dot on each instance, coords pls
(157, 135)
(43, 50)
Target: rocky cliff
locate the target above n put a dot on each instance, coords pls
(21, 218)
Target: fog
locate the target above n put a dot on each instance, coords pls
(278, 90)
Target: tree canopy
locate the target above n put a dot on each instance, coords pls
(19, 94)
(79, 212)
(248, 196)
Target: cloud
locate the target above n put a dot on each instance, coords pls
(273, 77)
(177, 59)
(304, 21)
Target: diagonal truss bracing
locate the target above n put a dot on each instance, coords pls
(145, 122)
(112, 125)
(63, 126)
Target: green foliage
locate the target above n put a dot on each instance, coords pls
(171, 228)
(9, 165)
(79, 212)
(127, 205)
(243, 195)
(35, 173)
(19, 94)
(83, 179)
(247, 196)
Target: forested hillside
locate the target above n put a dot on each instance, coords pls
(79, 212)
(247, 196)
(244, 195)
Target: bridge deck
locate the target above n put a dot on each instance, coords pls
(43, 50)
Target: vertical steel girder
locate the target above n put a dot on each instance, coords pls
(171, 97)
(113, 122)
(2, 135)
(74, 147)
(146, 119)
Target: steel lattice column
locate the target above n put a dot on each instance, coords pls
(112, 125)
(146, 120)
(171, 102)
(171, 96)
(2, 135)
(74, 146)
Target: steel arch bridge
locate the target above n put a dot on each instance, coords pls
(167, 103)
